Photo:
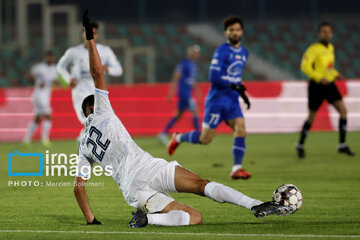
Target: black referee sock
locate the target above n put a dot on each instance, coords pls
(304, 132)
(342, 130)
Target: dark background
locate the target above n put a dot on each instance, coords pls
(162, 11)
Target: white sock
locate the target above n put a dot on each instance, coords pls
(31, 129)
(236, 167)
(172, 218)
(178, 138)
(221, 193)
(46, 126)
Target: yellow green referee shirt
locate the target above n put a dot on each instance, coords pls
(318, 62)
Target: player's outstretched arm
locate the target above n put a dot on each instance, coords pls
(82, 199)
(96, 68)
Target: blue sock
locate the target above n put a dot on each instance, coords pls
(191, 137)
(238, 150)
(170, 124)
(196, 122)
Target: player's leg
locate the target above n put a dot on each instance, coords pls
(31, 129)
(193, 110)
(194, 137)
(173, 120)
(46, 126)
(239, 148)
(212, 118)
(163, 210)
(343, 147)
(163, 136)
(315, 98)
(190, 182)
(172, 214)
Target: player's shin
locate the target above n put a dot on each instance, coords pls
(342, 130)
(190, 137)
(31, 129)
(224, 194)
(46, 126)
(170, 124)
(304, 132)
(196, 123)
(172, 218)
(238, 152)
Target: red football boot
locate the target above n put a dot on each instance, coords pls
(240, 174)
(173, 144)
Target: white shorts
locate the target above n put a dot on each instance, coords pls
(153, 197)
(41, 106)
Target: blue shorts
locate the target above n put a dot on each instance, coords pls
(218, 111)
(186, 104)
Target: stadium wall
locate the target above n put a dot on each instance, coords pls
(276, 107)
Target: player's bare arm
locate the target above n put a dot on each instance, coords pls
(30, 77)
(98, 75)
(96, 68)
(81, 198)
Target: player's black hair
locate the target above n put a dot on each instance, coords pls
(324, 24)
(94, 25)
(88, 101)
(230, 20)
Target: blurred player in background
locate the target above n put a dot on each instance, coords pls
(318, 64)
(184, 78)
(222, 101)
(143, 179)
(79, 78)
(43, 75)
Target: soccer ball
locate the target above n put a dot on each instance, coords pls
(288, 195)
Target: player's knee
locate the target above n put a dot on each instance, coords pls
(240, 132)
(343, 112)
(206, 139)
(201, 186)
(195, 217)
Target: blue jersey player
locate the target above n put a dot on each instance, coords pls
(184, 79)
(222, 101)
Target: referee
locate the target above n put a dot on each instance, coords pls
(318, 64)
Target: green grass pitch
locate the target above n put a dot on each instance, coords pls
(330, 183)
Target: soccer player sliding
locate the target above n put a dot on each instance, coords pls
(222, 101)
(143, 179)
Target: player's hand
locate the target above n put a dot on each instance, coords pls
(246, 100)
(105, 68)
(340, 77)
(86, 23)
(324, 81)
(241, 90)
(238, 87)
(94, 222)
(73, 82)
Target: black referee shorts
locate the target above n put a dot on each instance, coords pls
(318, 92)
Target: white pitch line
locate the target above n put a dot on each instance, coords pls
(189, 234)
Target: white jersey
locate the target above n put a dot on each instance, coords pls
(44, 74)
(77, 60)
(107, 142)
